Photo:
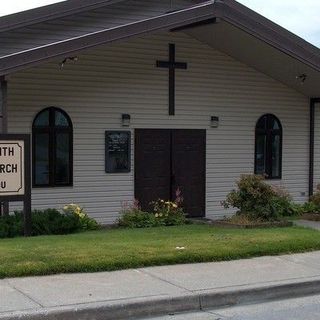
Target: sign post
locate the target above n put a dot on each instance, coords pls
(15, 175)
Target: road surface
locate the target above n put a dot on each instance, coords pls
(306, 308)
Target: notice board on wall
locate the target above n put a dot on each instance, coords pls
(118, 151)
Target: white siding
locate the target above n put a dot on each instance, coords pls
(91, 21)
(122, 78)
(317, 146)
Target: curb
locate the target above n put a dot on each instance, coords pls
(163, 306)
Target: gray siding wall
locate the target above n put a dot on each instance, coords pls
(122, 78)
(91, 21)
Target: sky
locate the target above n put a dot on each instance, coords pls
(300, 17)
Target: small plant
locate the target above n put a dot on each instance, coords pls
(170, 213)
(281, 203)
(133, 217)
(310, 207)
(79, 213)
(315, 199)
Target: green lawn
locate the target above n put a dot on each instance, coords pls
(124, 248)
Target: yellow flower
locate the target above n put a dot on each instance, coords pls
(174, 205)
(156, 215)
(75, 210)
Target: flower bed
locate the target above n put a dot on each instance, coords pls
(164, 213)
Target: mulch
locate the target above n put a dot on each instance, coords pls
(273, 224)
(311, 216)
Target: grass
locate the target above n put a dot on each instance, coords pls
(130, 248)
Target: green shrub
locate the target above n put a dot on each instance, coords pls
(11, 226)
(52, 222)
(258, 200)
(46, 222)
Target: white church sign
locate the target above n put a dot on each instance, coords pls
(15, 173)
(12, 169)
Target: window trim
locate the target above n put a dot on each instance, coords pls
(52, 130)
(269, 134)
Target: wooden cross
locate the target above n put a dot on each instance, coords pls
(172, 65)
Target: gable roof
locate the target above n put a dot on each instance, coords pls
(228, 11)
(167, 21)
(49, 12)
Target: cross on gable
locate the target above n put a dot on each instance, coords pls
(172, 65)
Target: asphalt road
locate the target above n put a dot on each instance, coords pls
(307, 308)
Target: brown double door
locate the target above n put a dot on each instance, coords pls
(166, 160)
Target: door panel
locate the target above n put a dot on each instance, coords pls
(152, 166)
(188, 169)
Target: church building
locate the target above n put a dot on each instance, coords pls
(134, 99)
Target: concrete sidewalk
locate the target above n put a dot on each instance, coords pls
(146, 292)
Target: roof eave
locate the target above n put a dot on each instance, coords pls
(269, 32)
(50, 12)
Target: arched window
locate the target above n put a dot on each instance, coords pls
(268, 149)
(52, 149)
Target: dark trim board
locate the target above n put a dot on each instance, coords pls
(4, 207)
(196, 24)
(313, 102)
(3, 105)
